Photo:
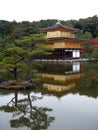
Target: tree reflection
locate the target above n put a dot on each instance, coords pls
(27, 115)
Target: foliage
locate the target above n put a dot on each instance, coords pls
(87, 49)
(18, 54)
(87, 46)
(13, 59)
(84, 35)
(25, 28)
(95, 54)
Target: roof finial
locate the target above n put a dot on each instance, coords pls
(58, 22)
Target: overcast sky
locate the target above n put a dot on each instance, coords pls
(35, 10)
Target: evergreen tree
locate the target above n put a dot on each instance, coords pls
(19, 53)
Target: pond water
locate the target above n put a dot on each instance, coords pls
(66, 98)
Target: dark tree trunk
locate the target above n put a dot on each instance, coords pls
(30, 102)
(16, 98)
(15, 73)
(27, 76)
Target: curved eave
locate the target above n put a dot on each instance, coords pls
(59, 27)
(52, 40)
(64, 39)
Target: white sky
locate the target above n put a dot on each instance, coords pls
(35, 10)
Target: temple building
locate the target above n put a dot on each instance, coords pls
(63, 42)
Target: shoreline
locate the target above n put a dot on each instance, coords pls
(62, 61)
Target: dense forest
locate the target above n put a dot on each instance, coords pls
(25, 28)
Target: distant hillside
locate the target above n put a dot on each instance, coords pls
(19, 29)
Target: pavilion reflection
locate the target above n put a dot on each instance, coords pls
(63, 81)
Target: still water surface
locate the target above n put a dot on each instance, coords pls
(66, 98)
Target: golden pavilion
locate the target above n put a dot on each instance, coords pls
(63, 42)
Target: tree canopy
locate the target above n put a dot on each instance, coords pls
(17, 54)
(24, 28)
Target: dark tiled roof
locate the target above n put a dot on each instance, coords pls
(60, 39)
(58, 26)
